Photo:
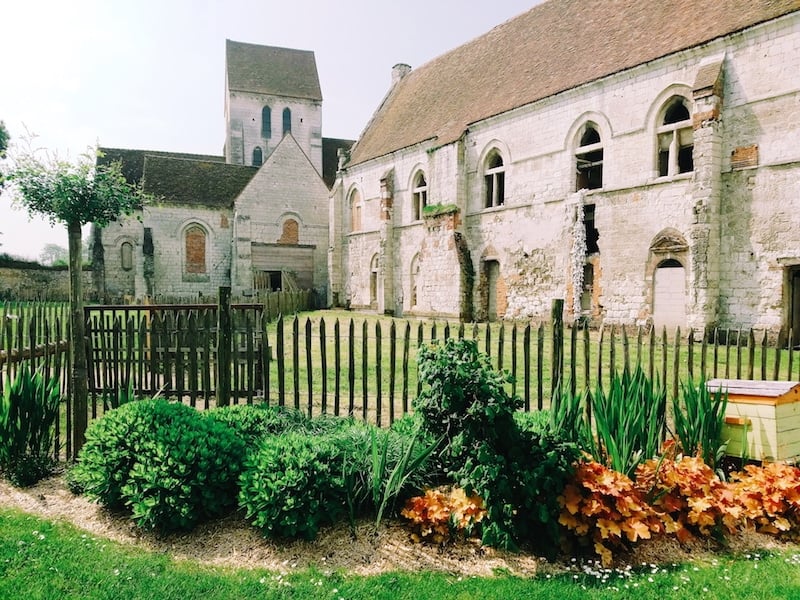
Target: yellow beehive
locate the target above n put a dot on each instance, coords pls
(762, 420)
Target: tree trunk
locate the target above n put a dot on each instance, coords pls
(77, 344)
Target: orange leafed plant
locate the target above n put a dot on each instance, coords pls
(606, 506)
(441, 512)
(770, 497)
(689, 492)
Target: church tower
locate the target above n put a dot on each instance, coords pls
(269, 92)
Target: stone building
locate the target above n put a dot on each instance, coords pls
(638, 159)
(255, 218)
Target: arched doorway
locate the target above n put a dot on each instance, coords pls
(669, 295)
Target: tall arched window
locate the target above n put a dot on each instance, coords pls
(675, 138)
(589, 159)
(494, 180)
(355, 211)
(126, 256)
(266, 122)
(373, 280)
(414, 280)
(258, 157)
(195, 245)
(419, 195)
(287, 120)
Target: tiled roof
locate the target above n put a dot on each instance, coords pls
(194, 182)
(133, 160)
(330, 158)
(272, 70)
(555, 46)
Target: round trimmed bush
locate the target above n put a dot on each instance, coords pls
(292, 484)
(169, 464)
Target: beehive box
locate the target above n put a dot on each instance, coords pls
(762, 419)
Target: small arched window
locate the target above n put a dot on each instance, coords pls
(589, 159)
(419, 196)
(287, 120)
(494, 180)
(675, 138)
(126, 256)
(258, 157)
(355, 211)
(373, 280)
(195, 245)
(266, 122)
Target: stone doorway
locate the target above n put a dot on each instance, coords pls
(669, 296)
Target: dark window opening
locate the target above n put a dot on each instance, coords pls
(589, 161)
(266, 122)
(592, 234)
(686, 159)
(287, 120)
(257, 157)
(676, 113)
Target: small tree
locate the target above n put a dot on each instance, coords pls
(73, 194)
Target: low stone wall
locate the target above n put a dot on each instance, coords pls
(31, 283)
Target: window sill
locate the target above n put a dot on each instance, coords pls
(196, 278)
(678, 177)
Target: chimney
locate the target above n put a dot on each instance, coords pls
(399, 71)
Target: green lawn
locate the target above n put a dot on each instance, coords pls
(41, 559)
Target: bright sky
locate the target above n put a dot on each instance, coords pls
(149, 74)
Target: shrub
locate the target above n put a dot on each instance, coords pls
(535, 421)
(166, 462)
(292, 484)
(254, 421)
(518, 474)
(28, 412)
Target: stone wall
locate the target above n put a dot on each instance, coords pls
(40, 284)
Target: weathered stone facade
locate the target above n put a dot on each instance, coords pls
(255, 218)
(686, 164)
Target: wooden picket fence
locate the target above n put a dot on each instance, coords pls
(342, 363)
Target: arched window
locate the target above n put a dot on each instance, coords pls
(258, 157)
(266, 122)
(355, 211)
(126, 256)
(589, 159)
(287, 120)
(675, 138)
(419, 196)
(494, 178)
(195, 244)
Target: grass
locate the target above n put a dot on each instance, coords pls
(55, 560)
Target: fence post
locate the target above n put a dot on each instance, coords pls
(224, 336)
(557, 317)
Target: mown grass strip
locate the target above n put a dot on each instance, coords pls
(41, 559)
